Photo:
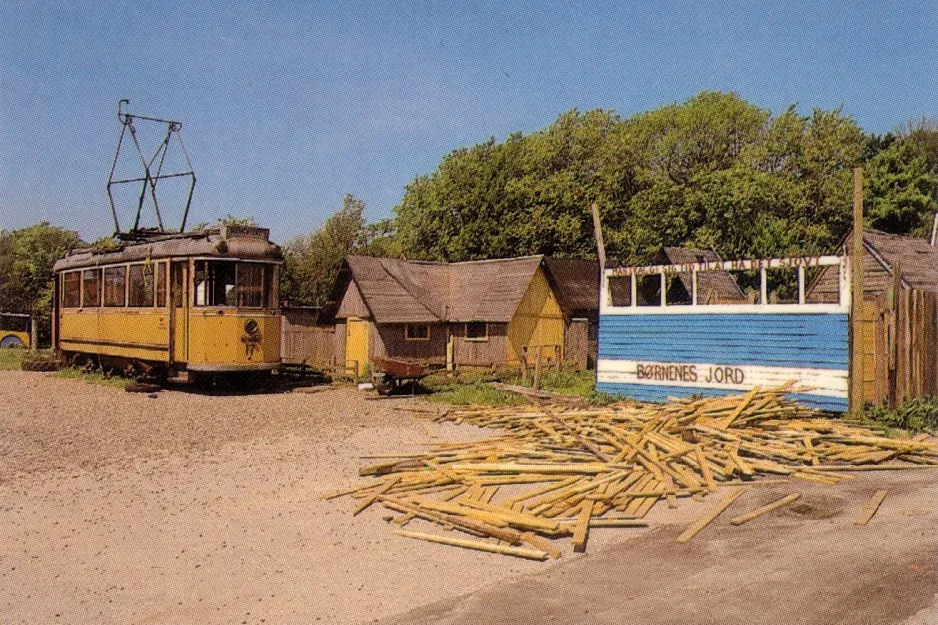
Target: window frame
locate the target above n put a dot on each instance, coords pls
(152, 288)
(476, 339)
(408, 335)
(100, 273)
(104, 289)
(78, 298)
(269, 277)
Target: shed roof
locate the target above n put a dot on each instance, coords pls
(711, 285)
(916, 258)
(577, 282)
(400, 291)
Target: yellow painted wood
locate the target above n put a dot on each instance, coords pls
(537, 321)
(126, 333)
(356, 344)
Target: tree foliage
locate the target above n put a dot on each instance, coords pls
(714, 171)
(312, 261)
(26, 259)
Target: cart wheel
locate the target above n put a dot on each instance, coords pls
(384, 384)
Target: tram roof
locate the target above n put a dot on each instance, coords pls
(241, 242)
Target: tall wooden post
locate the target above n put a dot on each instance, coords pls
(600, 244)
(856, 297)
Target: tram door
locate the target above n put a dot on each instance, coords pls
(179, 321)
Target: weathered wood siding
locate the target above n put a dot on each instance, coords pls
(652, 356)
(576, 343)
(900, 347)
(486, 353)
(825, 289)
(388, 339)
(304, 340)
(352, 304)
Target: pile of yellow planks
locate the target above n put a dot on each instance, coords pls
(558, 471)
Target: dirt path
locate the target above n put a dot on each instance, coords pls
(117, 508)
(806, 565)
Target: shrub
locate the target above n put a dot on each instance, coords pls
(915, 414)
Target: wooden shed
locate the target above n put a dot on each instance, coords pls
(900, 316)
(477, 313)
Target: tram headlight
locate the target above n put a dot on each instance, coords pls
(251, 327)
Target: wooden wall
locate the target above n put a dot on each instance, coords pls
(480, 353)
(388, 339)
(577, 344)
(900, 347)
(538, 320)
(303, 340)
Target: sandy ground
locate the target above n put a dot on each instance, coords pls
(118, 508)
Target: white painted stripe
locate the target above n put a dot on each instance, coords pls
(739, 309)
(826, 382)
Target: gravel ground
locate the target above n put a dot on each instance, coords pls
(118, 508)
(192, 508)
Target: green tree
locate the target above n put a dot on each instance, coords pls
(902, 189)
(312, 261)
(26, 259)
(714, 171)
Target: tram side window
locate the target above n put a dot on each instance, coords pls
(71, 290)
(115, 287)
(141, 286)
(91, 288)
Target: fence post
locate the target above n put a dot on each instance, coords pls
(855, 392)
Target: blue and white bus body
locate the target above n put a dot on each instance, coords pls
(652, 352)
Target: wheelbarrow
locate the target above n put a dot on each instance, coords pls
(390, 374)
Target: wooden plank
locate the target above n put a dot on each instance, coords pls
(582, 528)
(705, 468)
(519, 552)
(705, 520)
(745, 518)
(618, 523)
(871, 507)
(387, 486)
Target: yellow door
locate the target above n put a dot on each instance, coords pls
(356, 345)
(179, 311)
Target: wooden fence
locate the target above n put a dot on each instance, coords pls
(305, 342)
(900, 346)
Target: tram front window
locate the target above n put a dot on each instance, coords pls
(234, 284)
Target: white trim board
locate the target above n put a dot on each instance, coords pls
(824, 382)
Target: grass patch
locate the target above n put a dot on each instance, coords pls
(569, 381)
(477, 393)
(11, 358)
(91, 377)
(916, 414)
(470, 386)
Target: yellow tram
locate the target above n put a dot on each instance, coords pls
(205, 302)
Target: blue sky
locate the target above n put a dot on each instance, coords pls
(288, 106)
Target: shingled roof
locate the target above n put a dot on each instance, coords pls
(577, 283)
(916, 258)
(400, 291)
